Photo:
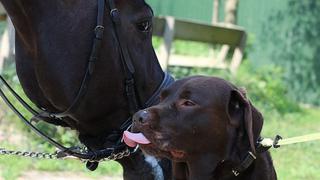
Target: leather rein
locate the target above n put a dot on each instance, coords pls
(92, 156)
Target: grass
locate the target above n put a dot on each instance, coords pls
(297, 161)
(13, 167)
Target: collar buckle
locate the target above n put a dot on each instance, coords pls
(248, 160)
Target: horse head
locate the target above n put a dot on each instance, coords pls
(54, 42)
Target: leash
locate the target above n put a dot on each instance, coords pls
(264, 144)
(279, 141)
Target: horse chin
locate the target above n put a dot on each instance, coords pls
(98, 142)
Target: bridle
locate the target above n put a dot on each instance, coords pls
(93, 156)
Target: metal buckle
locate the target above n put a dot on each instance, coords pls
(235, 173)
(114, 13)
(252, 155)
(99, 27)
(99, 33)
(113, 10)
(276, 141)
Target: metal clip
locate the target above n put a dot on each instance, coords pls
(99, 32)
(276, 141)
(115, 10)
(114, 13)
(235, 173)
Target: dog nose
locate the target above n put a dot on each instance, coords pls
(141, 116)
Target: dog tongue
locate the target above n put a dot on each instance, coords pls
(133, 139)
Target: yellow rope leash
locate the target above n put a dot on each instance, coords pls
(267, 142)
(299, 139)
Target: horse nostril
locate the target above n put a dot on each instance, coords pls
(141, 116)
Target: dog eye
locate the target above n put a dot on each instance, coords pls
(188, 103)
(144, 26)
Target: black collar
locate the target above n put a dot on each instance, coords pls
(247, 161)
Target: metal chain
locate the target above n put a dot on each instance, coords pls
(36, 155)
(54, 156)
(117, 156)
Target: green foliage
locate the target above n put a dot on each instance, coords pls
(291, 41)
(264, 85)
(266, 88)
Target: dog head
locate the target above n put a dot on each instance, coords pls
(199, 115)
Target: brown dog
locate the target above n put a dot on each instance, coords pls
(208, 128)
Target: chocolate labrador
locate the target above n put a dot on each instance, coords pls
(208, 128)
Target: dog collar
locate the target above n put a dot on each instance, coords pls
(248, 160)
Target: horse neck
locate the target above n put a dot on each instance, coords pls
(20, 12)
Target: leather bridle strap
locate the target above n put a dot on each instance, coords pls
(22, 102)
(154, 99)
(126, 61)
(94, 56)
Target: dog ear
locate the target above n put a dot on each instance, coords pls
(241, 111)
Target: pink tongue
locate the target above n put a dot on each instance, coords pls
(133, 139)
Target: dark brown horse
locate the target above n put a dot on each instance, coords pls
(53, 44)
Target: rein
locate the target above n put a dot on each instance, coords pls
(119, 150)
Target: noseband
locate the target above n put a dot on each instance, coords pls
(93, 156)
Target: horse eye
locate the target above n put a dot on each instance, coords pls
(188, 103)
(144, 26)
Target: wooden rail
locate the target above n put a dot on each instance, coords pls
(171, 29)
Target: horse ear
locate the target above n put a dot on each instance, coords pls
(242, 112)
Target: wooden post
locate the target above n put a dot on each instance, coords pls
(215, 12)
(231, 11)
(230, 18)
(7, 46)
(238, 55)
(165, 48)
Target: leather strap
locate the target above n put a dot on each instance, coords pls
(154, 99)
(127, 64)
(248, 160)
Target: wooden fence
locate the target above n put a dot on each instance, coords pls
(171, 29)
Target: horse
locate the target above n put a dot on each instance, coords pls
(96, 96)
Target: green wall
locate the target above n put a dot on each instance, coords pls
(253, 15)
(185, 9)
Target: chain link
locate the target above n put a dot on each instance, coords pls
(54, 156)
